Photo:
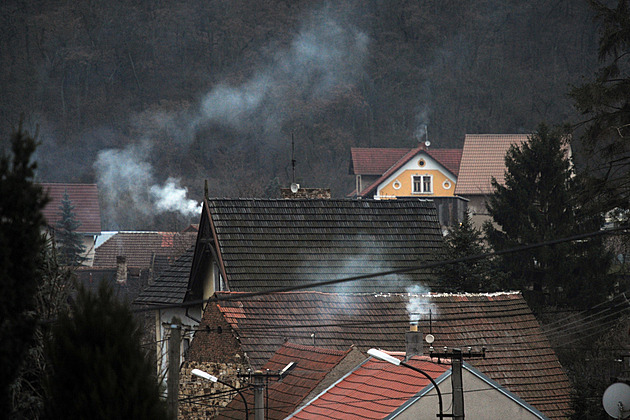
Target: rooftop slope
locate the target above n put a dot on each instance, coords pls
(519, 356)
(84, 198)
(269, 244)
(284, 397)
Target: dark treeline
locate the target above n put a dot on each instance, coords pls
(214, 90)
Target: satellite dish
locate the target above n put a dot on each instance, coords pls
(616, 400)
(427, 143)
(295, 188)
(429, 338)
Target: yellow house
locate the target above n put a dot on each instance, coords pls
(393, 173)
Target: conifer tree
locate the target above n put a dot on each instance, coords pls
(541, 201)
(98, 367)
(71, 248)
(470, 276)
(21, 223)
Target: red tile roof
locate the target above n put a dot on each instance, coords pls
(285, 396)
(373, 390)
(519, 356)
(140, 248)
(483, 158)
(84, 198)
(374, 161)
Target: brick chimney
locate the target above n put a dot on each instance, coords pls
(308, 193)
(413, 341)
(121, 269)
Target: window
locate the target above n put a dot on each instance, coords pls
(422, 184)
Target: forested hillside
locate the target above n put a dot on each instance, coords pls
(149, 97)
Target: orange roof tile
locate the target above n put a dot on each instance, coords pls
(84, 198)
(483, 157)
(373, 390)
(141, 247)
(519, 357)
(283, 397)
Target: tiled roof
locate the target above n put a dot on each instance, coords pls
(284, 397)
(269, 244)
(373, 390)
(84, 198)
(142, 248)
(374, 161)
(449, 158)
(170, 287)
(519, 356)
(483, 158)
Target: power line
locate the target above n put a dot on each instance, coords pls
(312, 285)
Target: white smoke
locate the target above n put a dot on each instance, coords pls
(419, 305)
(172, 197)
(327, 54)
(125, 176)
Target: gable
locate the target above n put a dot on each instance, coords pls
(400, 181)
(444, 163)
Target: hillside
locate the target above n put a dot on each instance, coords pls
(130, 94)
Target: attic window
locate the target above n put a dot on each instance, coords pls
(422, 184)
(421, 163)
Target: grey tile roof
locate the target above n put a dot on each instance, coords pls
(268, 244)
(170, 287)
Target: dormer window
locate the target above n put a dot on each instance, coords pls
(422, 184)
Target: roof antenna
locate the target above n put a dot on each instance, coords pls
(292, 159)
(294, 187)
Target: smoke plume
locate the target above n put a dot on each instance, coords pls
(419, 304)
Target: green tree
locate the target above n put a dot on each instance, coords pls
(539, 202)
(605, 102)
(21, 223)
(470, 276)
(52, 297)
(98, 367)
(69, 241)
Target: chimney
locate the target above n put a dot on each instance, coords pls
(413, 341)
(121, 269)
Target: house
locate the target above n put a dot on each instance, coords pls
(483, 158)
(84, 198)
(245, 331)
(315, 369)
(382, 173)
(258, 245)
(380, 390)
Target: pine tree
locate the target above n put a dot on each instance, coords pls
(540, 201)
(98, 367)
(605, 103)
(69, 241)
(21, 222)
(471, 276)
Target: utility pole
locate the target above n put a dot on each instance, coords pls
(174, 345)
(457, 361)
(259, 379)
(259, 400)
(457, 385)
